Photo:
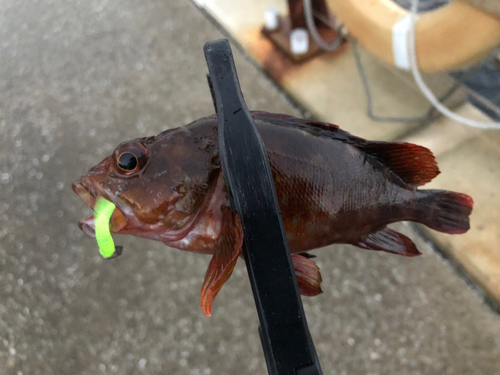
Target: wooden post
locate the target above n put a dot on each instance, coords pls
(296, 8)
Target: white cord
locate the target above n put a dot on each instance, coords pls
(425, 89)
(308, 12)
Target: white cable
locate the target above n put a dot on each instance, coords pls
(426, 91)
(308, 12)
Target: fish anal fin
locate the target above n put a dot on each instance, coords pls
(229, 248)
(308, 275)
(415, 165)
(390, 241)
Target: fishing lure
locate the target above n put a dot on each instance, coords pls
(103, 211)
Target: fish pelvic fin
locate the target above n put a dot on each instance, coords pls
(415, 165)
(444, 211)
(308, 275)
(229, 248)
(390, 241)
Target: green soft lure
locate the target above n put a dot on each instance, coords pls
(103, 210)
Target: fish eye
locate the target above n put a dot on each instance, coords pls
(128, 162)
(130, 157)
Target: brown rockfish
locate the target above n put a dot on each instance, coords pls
(332, 188)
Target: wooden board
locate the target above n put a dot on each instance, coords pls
(472, 167)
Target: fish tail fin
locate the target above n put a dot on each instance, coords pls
(445, 211)
(308, 275)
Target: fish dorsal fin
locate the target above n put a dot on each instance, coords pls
(415, 165)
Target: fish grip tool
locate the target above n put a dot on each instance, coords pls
(286, 341)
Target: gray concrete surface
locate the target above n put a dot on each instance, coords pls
(77, 78)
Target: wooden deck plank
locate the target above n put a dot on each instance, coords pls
(472, 168)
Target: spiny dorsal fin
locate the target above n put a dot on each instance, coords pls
(414, 164)
(307, 255)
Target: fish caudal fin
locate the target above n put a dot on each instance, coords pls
(445, 211)
(390, 241)
(308, 275)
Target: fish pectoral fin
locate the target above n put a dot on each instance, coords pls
(224, 259)
(390, 241)
(308, 275)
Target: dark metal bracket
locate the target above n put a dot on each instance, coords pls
(295, 18)
(286, 341)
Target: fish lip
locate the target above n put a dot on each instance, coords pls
(87, 226)
(84, 192)
(89, 192)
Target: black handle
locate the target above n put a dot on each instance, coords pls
(286, 340)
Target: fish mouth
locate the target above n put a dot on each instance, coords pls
(89, 192)
(124, 220)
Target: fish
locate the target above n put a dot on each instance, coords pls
(332, 188)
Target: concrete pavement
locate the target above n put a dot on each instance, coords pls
(76, 79)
